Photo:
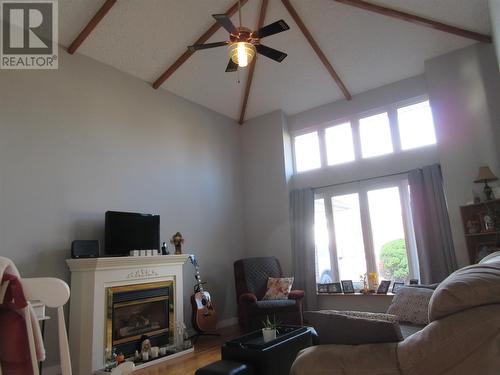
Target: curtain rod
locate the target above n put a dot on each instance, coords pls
(363, 180)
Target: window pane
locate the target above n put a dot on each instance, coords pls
(307, 152)
(388, 234)
(339, 146)
(349, 236)
(375, 134)
(323, 264)
(416, 127)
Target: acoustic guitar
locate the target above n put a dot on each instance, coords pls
(203, 313)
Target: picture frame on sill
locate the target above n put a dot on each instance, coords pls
(347, 286)
(334, 288)
(396, 286)
(322, 288)
(383, 288)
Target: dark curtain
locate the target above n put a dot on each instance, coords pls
(303, 250)
(436, 254)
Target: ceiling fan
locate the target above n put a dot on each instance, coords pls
(244, 43)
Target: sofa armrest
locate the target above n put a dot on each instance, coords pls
(347, 360)
(296, 294)
(248, 298)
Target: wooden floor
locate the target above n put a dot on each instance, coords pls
(206, 350)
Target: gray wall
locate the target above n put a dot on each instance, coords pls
(87, 138)
(463, 90)
(265, 188)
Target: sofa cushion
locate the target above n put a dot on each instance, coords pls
(468, 287)
(408, 329)
(353, 327)
(411, 305)
(278, 288)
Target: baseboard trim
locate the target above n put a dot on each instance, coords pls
(227, 322)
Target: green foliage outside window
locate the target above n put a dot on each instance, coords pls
(394, 261)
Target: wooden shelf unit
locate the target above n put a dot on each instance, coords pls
(481, 240)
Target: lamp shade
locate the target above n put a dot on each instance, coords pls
(485, 175)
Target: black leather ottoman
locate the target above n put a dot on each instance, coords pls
(225, 368)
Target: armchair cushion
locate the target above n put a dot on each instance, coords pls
(274, 303)
(296, 294)
(248, 298)
(353, 328)
(468, 287)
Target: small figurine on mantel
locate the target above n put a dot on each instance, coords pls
(177, 241)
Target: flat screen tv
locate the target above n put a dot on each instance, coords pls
(127, 231)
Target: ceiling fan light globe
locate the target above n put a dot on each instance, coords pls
(242, 53)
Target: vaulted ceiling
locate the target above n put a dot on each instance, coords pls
(368, 50)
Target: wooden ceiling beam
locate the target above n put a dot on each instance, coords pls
(251, 70)
(408, 17)
(316, 48)
(101, 13)
(202, 39)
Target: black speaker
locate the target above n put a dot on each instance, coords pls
(85, 249)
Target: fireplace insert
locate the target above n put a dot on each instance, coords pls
(139, 311)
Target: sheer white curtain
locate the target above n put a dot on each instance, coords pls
(302, 230)
(436, 253)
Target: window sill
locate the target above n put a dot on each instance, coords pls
(355, 295)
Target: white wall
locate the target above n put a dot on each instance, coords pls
(462, 89)
(87, 138)
(265, 188)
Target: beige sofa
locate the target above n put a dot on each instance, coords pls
(463, 336)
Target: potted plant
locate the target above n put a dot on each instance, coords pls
(270, 328)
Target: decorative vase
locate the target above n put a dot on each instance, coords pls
(269, 334)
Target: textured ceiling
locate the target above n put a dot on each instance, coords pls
(144, 37)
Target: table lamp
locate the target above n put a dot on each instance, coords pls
(486, 175)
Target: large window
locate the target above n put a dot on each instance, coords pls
(365, 227)
(339, 146)
(306, 148)
(389, 130)
(416, 128)
(375, 134)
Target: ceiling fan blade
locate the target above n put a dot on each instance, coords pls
(271, 29)
(231, 66)
(197, 47)
(226, 23)
(272, 53)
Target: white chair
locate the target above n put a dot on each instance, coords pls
(53, 293)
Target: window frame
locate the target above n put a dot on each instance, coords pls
(362, 188)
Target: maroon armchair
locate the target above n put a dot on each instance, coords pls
(251, 277)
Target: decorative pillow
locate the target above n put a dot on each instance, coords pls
(411, 305)
(353, 327)
(278, 288)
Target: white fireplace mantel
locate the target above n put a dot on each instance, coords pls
(89, 280)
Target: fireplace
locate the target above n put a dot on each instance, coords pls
(94, 282)
(139, 311)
